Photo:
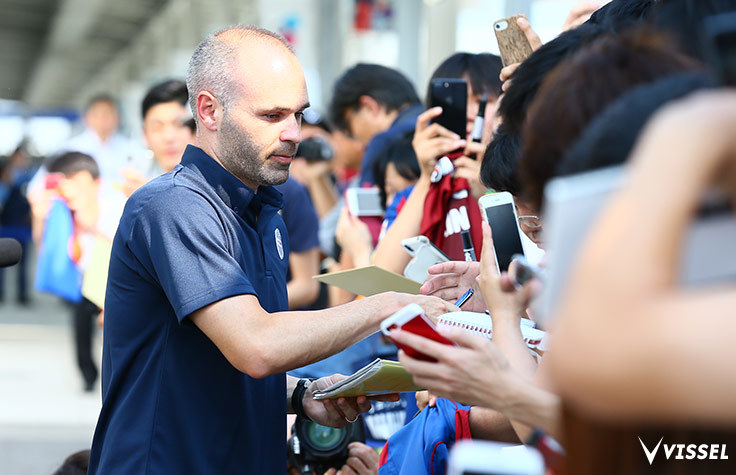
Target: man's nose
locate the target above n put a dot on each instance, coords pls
(292, 131)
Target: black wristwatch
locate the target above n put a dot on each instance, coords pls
(297, 398)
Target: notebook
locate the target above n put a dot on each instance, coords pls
(379, 377)
(481, 324)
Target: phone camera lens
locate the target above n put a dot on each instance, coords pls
(447, 84)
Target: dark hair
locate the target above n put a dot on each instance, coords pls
(70, 163)
(529, 75)
(75, 464)
(610, 137)
(498, 168)
(581, 87)
(172, 90)
(387, 86)
(482, 69)
(103, 97)
(401, 153)
(684, 20)
(621, 14)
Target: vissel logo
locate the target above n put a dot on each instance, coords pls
(691, 451)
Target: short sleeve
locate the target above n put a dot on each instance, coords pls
(180, 238)
(300, 217)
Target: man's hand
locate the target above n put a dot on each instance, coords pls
(505, 303)
(474, 373)
(308, 172)
(425, 399)
(341, 411)
(470, 170)
(362, 460)
(354, 237)
(433, 141)
(450, 280)
(433, 306)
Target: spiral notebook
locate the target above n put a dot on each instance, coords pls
(481, 324)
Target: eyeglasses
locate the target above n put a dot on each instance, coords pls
(530, 221)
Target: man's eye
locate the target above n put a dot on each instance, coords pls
(273, 116)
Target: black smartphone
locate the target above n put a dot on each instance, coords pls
(452, 95)
(719, 35)
(500, 214)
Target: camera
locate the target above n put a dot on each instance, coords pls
(314, 448)
(315, 149)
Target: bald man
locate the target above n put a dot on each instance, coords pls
(197, 336)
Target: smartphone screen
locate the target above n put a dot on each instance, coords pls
(452, 95)
(506, 238)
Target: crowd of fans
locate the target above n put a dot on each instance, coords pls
(630, 351)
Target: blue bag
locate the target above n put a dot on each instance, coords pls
(56, 272)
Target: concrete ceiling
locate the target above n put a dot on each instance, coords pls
(49, 49)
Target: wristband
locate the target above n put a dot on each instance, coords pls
(297, 398)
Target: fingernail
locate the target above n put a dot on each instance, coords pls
(521, 21)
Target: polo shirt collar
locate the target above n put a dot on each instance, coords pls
(233, 192)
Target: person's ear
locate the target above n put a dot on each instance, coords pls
(209, 111)
(370, 104)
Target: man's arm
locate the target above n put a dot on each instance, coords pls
(302, 288)
(260, 344)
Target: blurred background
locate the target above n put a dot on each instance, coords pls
(56, 54)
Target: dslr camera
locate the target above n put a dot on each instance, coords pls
(314, 448)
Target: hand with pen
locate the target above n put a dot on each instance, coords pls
(449, 280)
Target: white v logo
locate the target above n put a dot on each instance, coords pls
(650, 455)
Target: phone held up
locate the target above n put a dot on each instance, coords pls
(452, 95)
(512, 42)
(500, 214)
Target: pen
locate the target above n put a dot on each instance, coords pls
(464, 298)
(468, 249)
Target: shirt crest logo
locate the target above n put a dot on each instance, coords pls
(279, 243)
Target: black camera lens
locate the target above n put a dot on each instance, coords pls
(320, 447)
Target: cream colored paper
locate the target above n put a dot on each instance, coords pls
(94, 282)
(370, 280)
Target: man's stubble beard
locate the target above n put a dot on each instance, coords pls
(242, 157)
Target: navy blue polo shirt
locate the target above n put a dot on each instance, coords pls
(171, 402)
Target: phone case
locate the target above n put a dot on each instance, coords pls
(412, 319)
(512, 42)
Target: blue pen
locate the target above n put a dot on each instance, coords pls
(464, 298)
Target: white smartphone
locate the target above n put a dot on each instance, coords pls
(364, 201)
(479, 457)
(425, 254)
(500, 214)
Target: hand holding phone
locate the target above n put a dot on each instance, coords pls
(412, 319)
(364, 201)
(513, 43)
(500, 214)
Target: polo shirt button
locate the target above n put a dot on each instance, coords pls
(236, 209)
